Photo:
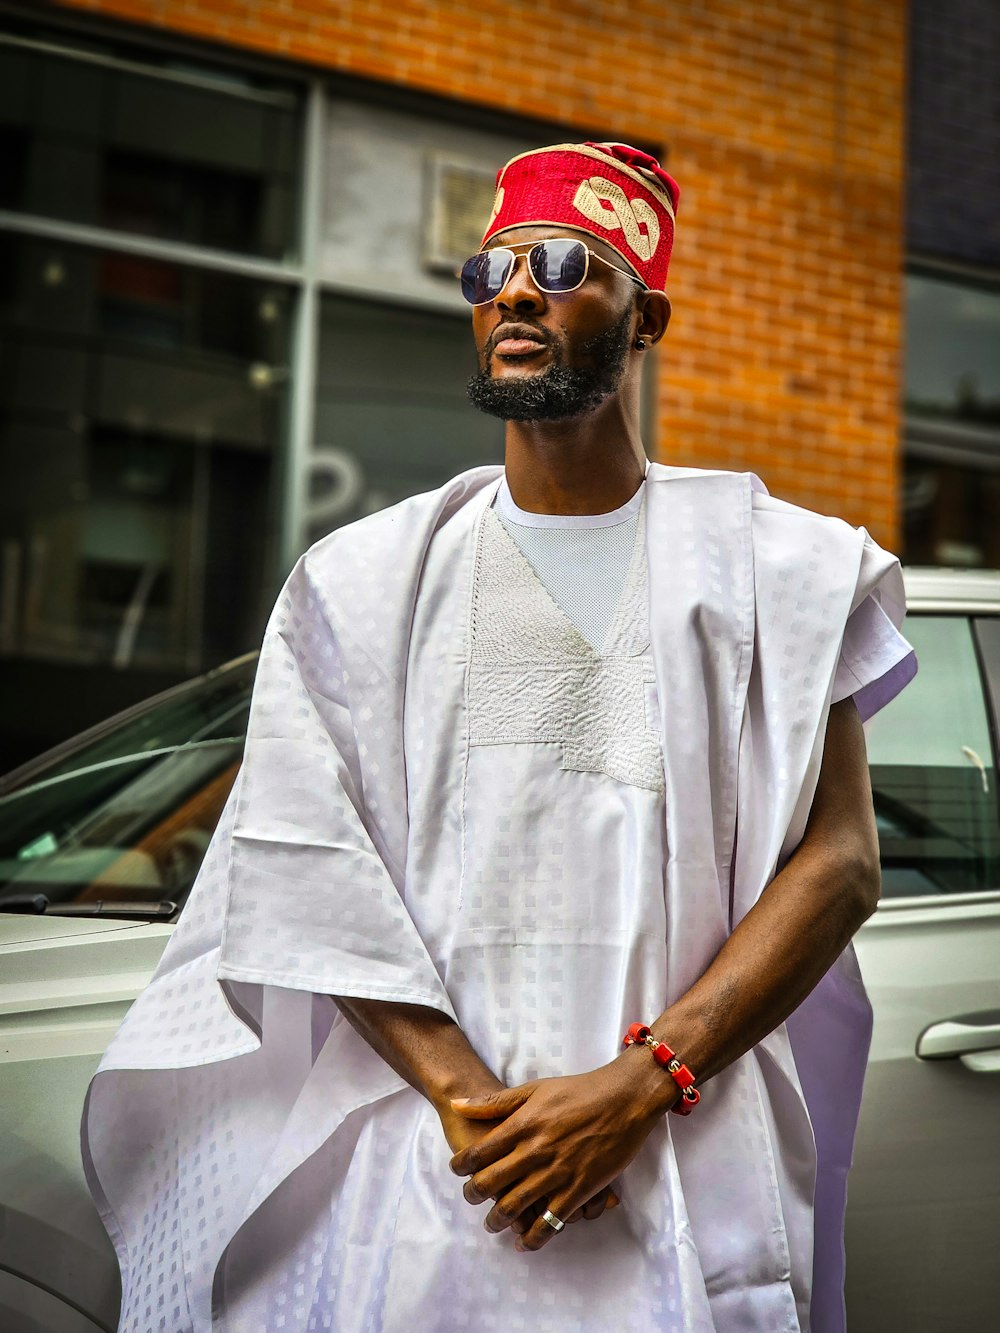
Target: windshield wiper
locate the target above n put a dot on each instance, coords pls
(37, 904)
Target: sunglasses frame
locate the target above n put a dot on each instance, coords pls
(549, 291)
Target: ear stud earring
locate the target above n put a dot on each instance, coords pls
(640, 344)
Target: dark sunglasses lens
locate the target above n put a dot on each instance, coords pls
(558, 266)
(484, 275)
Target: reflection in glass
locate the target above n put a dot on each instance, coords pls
(141, 407)
(127, 815)
(951, 514)
(952, 351)
(211, 161)
(933, 773)
(392, 416)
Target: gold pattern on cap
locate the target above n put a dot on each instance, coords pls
(629, 216)
(497, 205)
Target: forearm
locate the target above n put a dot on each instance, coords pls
(423, 1046)
(770, 963)
(796, 931)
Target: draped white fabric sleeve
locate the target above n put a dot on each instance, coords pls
(312, 904)
(875, 659)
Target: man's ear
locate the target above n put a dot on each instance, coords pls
(654, 316)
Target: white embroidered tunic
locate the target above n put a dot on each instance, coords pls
(451, 798)
(554, 943)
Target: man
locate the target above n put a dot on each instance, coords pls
(549, 756)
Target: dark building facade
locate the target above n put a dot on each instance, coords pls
(951, 429)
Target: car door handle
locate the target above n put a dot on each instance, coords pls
(973, 1038)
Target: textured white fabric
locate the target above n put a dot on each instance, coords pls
(582, 559)
(533, 677)
(259, 1167)
(870, 641)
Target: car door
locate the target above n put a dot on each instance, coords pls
(924, 1195)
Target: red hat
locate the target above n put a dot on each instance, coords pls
(608, 190)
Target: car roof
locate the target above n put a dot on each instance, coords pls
(970, 591)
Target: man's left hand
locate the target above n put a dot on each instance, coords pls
(562, 1141)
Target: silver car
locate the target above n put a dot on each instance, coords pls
(923, 1219)
(100, 841)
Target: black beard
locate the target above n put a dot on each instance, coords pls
(559, 393)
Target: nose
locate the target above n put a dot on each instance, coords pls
(520, 292)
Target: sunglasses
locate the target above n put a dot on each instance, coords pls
(559, 265)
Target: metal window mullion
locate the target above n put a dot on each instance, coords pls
(949, 456)
(175, 252)
(305, 339)
(186, 78)
(985, 639)
(194, 648)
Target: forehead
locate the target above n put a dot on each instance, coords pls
(522, 235)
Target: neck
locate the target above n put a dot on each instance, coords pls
(585, 465)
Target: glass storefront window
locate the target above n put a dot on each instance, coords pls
(176, 153)
(950, 514)
(951, 464)
(159, 246)
(392, 417)
(952, 351)
(142, 405)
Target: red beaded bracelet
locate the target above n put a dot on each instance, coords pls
(640, 1035)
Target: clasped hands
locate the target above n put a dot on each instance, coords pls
(556, 1143)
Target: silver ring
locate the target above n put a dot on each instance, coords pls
(552, 1220)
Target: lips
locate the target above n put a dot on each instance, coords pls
(518, 347)
(517, 340)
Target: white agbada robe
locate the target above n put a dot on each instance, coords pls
(450, 798)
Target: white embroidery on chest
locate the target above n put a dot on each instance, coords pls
(534, 678)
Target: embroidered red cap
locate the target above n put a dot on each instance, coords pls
(609, 190)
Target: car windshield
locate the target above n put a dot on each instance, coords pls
(124, 816)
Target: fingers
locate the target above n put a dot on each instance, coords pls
(493, 1181)
(492, 1147)
(522, 1202)
(526, 1198)
(595, 1208)
(509, 1209)
(493, 1105)
(541, 1232)
(524, 1221)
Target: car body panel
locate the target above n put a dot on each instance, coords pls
(62, 997)
(18, 929)
(924, 1193)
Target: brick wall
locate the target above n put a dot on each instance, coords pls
(784, 124)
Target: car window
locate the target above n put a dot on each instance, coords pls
(933, 770)
(127, 816)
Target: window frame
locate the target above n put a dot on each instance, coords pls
(984, 629)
